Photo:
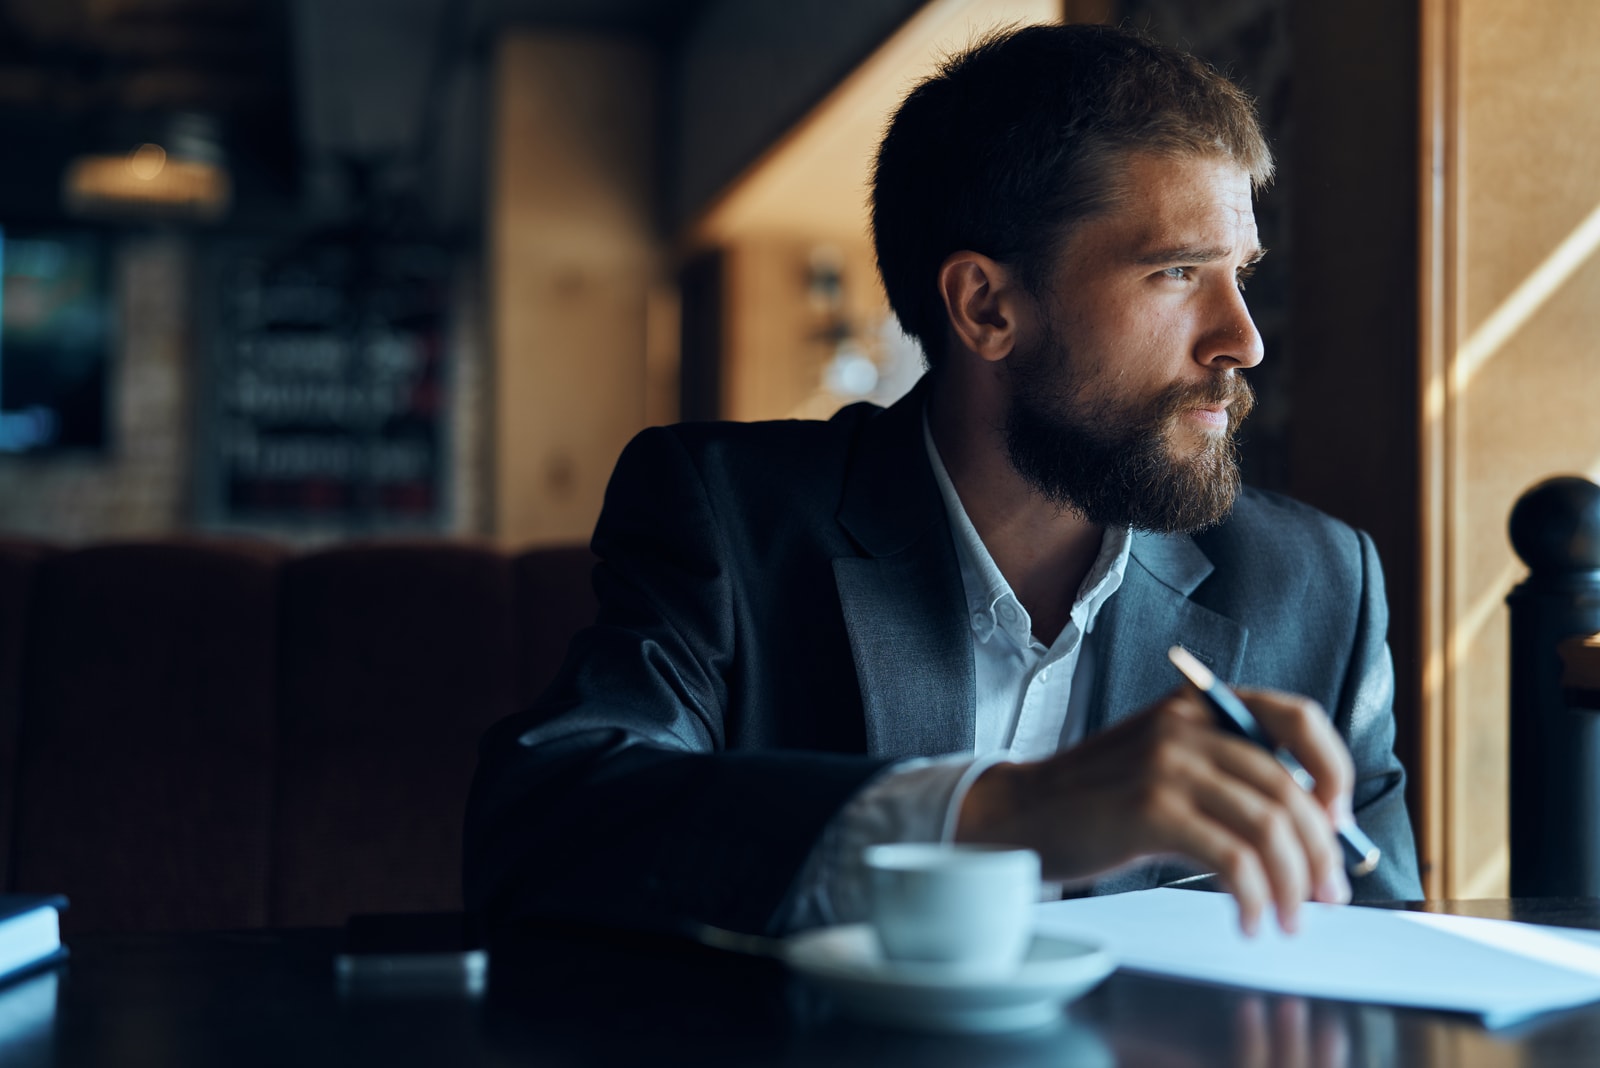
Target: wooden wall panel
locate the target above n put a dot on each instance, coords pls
(774, 334)
(574, 266)
(1520, 369)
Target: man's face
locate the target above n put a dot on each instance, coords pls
(1125, 400)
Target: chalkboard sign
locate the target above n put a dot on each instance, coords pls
(328, 374)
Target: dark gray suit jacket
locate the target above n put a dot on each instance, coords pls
(781, 615)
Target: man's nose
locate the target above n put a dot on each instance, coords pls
(1231, 339)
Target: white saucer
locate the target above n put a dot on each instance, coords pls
(848, 962)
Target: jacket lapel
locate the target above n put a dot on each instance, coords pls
(1149, 614)
(903, 603)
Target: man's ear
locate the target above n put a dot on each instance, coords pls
(981, 302)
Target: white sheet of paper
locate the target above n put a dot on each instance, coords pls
(1501, 971)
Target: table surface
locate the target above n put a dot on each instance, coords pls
(568, 998)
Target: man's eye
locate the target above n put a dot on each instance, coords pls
(1179, 273)
(1244, 276)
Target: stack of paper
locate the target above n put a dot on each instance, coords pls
(1503, 972)
(30, 932)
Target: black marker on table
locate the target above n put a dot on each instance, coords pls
(1361, 854)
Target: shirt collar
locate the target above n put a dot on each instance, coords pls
(991, 604)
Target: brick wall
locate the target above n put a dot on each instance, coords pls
(139, 485)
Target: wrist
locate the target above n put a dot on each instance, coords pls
(989, 811)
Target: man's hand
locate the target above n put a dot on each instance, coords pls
(1168, 781)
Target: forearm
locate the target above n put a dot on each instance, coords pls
(619, 796)
(605, 828)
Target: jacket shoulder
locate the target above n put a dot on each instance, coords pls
(1281, 549)
(713, 439)
(1270, 523)
(750, 480)
(771, 454)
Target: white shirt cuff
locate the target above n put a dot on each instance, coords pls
(911, 801)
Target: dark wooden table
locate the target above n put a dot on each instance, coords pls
(569, 998)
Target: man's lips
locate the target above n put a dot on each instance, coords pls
(1211, 415)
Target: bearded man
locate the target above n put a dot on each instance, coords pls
(947, 620)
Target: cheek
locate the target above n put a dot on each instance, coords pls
(1136, 325)
(1126, 337)
(1136, 350)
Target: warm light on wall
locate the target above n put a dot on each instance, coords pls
(147, 182)
(184, 179)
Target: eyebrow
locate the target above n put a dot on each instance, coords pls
(1194, 254)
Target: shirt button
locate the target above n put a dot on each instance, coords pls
(978, 621)
(1008, 612)
(1044, 676)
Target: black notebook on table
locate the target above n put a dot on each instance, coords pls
(30, 933)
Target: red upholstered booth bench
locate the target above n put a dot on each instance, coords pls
(209, 734)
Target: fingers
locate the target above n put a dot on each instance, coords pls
(1300, 726)
(1245, 836)
(1168, 781)
(1268, 835)
(1219, 800)
(1276, 814)
(1239, 866)
(1268, 839)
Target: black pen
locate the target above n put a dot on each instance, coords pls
(1361, 854)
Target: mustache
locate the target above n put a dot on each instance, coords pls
(1231, 389)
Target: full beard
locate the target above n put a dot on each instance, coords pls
(1120, 464)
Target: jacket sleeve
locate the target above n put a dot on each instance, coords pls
(616, 798)
(1365, 716)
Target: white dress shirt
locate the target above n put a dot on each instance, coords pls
(1032, 699)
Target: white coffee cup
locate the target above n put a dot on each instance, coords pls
(962, 910)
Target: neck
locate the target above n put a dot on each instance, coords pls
(1044, 552)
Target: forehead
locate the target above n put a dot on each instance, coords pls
(1169, 203)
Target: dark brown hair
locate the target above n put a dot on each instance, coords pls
(1016, 139)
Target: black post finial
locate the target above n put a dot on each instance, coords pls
(1555, 749)
(1555, 525)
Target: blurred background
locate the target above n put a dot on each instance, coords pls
(320, 270)
(316, 269)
